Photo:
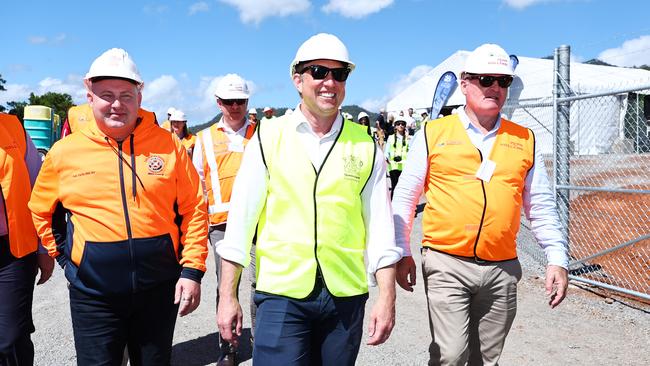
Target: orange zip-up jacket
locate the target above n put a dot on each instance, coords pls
(16, 186)
(466, 216)
(122, 200)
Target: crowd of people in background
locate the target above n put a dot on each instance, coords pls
(301, 199)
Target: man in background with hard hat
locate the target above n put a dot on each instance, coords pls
(477, 171)
(167, 123)
(131, 268)
(21, 256)
(219, 150)
(268, 114)
(252, 116)
(317, 186)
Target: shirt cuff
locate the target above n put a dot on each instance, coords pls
(389, 257)
(192, 274)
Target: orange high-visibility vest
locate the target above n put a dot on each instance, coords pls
(16, 187)
(221, 161)
(465, 216)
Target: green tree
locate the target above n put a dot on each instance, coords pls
(59, 102)
(2, 88)
(17, 109)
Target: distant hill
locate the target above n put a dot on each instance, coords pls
(354, 110)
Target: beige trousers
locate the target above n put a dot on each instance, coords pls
(471, 307)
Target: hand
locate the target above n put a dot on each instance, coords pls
(46, 266)
(382, 321)
(405, 273)
(229, 319)
(188, 294)
(556, 284)
(397, 159)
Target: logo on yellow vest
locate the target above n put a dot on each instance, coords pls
(155, 164)
(352, 167)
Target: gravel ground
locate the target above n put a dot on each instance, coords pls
(584, 330)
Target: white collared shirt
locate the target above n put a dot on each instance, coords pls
(538, 199)
(251, 188)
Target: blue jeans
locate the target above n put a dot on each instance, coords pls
(319, 330)
(144, 321)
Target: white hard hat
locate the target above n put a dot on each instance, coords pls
(232, 86)
(252, 111)
(321, 46)
(266, 109)
(178, 115)
(361, 115)
(117, 63)
(288, 111)
(488, 59)
(171, 110)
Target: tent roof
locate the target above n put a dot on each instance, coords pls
(534, 81)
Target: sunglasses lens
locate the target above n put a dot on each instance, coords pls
(486, 81)
(230, 102)
(504, 81)
(319, 72)
(340, 74)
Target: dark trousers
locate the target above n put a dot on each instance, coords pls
(319, 330)
(17, 277)
(144, 321)
(394, 177)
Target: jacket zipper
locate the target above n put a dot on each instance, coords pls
(126, 216)
(480, 227)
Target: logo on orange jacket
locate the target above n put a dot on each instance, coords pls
(155, 164)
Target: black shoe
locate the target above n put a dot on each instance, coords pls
(228, 359)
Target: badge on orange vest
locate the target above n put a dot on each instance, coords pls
(235, 147)
(486, 170)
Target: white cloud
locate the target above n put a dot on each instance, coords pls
(59, 38)
(153, 9)
(396, 87)
(634, 52)
(161, 93)
(72, 85)
(37, 39)
(355, 9)
(199, 7)
(251, 11)
(522, 4)
(14, 93)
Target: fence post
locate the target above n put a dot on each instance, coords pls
(563, 133)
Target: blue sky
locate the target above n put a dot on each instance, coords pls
(183, 48)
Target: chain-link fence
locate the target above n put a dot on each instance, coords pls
(603, 170)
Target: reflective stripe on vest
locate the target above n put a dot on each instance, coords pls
(464, 215)
(313, 217)
(16, 187)
(229, 162)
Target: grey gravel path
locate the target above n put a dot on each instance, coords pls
(584, 330)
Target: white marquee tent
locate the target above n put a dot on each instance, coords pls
(595, 127)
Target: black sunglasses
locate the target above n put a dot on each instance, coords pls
(398, 123)
(486, 81)
(230, 102)
(320, 72)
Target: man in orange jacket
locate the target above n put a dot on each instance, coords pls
(19, 260)
(131, 268)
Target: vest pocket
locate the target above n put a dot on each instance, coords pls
(105, 268)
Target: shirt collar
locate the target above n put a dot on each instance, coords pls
(467, 123)
(300, 122)
(224, 127)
